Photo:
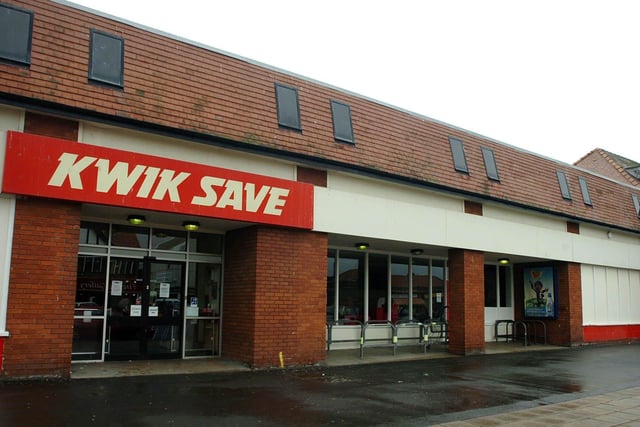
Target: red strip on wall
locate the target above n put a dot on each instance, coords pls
(611, 333)
(49, 167)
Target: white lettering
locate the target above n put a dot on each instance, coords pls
(150, 177)
(169, 184)
(210, 197)
(67, 168)
(277, 200)
(119, 174)
(253, 200)
(232, 196)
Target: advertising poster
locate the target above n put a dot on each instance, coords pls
(540, 292)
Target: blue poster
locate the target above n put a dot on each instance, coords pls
(540, 292)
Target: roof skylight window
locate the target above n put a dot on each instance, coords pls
(459, 158)
(584, 188)
(490, 164)
(564, 185)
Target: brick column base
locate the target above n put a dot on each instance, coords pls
(42, 289)
(274, 304)
(466, 302)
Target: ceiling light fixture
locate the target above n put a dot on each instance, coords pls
(362, 246)
(503, 261)
(417, 251)
(191, 225)
(136, 219)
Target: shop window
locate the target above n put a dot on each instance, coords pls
(205, 243)
(584, 188)
(169, 240)
(202, 337)
(331, 285)
(351, 286)
(106, 59)
(15, 34)
(94, 233)
(130, 236)
(89, 307)
(459, 158)
(490, 164)
(288, 107)
(497, 286)
(378, 288)
(564, 185)
(342, 126)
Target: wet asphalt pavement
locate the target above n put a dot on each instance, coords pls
(409, 393)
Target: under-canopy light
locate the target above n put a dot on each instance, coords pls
(191, 225)
(136, 219)
(362, 246)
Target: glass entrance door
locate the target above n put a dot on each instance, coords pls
(144, 316)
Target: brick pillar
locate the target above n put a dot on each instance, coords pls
(569, 306)
(274, 296)
(42, 286)
(466, 301)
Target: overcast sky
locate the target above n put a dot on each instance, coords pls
(558, 78)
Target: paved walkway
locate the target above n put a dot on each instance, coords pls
(619, 408)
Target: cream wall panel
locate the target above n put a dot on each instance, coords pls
(187, 151)
(522, 216)
(10, 119)
(588, 294)
(392, 192)
(7, 214)
(610, 295)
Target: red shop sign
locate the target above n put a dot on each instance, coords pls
(49, 167)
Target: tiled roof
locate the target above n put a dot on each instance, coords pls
(197, 91)
(611, 165)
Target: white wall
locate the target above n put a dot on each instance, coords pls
(10, 119)
(368, 208)
(610, 296)
(123, 139)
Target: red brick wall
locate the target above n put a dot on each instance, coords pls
(566, 330)
(312, 176)
(466, 301)
(50, 126)
(274, 296)
(573, 227)
(473, 208)
(42, 289)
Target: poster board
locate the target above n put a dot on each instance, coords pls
(540, 292)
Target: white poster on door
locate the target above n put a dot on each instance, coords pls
(164, 290)
(153, 311)
(116, 288)
(136, 310)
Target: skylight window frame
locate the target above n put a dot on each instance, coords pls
(458, 155)
(490, 165)
(584, 188)
(97, 73)
(563, 182)
(636, 204)
(288, 105)
(342, 123)
(15, 51)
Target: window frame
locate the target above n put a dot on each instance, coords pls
(336, 111)
(24, 60)
(636, 204)
(458, 155)
(584, 188)
(284, 110)
(563, 182)
(490, 165)
(92, 73)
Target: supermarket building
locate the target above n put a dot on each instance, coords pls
(161, 199)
